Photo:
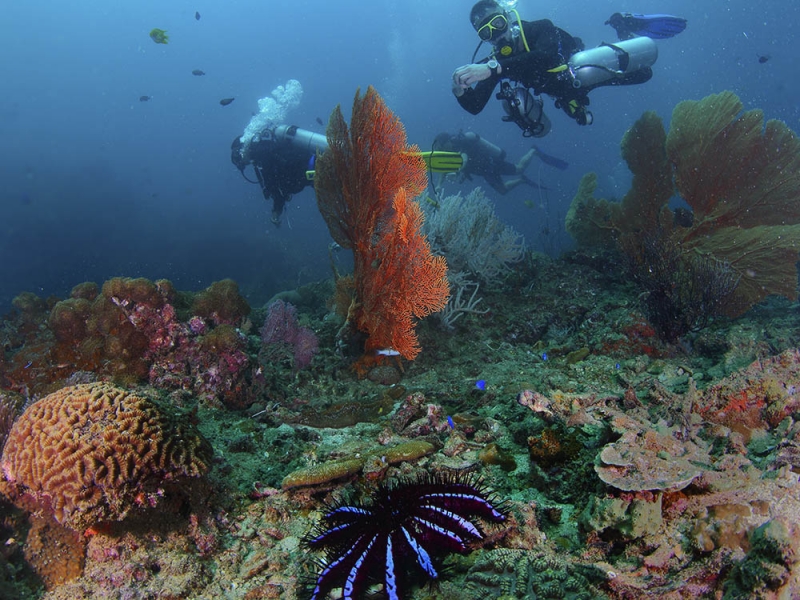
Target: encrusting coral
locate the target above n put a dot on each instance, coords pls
(136, 330)
(740, 177)
(365, 185)
(94, 452)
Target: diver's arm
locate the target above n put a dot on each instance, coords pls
(474, 99)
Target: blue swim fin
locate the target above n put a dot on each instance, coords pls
(656, 26)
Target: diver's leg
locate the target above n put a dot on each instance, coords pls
(526, 159)
(497, 183)
(511, 184)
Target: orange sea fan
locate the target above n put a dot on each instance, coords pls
(365, 184)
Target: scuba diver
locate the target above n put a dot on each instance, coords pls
(484, 159)
(282, 158)
(530, 58)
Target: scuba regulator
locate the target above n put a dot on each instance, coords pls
(524, 109)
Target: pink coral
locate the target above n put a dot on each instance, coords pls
(281, 328)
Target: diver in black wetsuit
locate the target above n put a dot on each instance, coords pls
(484, 159)
(280, 162)
(536, 57)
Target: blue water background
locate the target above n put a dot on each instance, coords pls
(97, 184)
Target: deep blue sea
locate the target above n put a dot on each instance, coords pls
(96, 183)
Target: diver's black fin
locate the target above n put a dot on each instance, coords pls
(554, 162)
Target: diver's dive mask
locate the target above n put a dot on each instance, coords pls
(493, 27)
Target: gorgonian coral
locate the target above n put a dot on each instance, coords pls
(365, 184)
(739, 176)
(682, 292)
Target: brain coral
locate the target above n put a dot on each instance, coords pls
(94, 452)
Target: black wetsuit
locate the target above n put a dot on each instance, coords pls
(550, 48)
(490, 166)
(281, 170)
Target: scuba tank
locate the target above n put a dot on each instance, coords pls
(301, 138)
(524, 109)
(610, 62)
(488, 149)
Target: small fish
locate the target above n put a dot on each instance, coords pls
(616, 366)
(450, 422)
(387, 352)
(198, 73)
(226, 101)
(144, 98)
(196, 16)
(764, 58)
(544, 356)
(320, 121)
(481, 384)
(28, 365)
(159, 36)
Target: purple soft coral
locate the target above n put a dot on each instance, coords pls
(281, 327)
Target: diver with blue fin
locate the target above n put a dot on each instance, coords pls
(534, 58)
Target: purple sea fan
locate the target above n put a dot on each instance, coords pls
(306, 345)
(401, 533)
(281, 327)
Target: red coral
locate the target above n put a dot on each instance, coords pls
(363, 186)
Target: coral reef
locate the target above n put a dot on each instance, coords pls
(510, 573)
(11, 405)
(55, 552)
(738, 176)
(133, 332)
(468, 233)
(405, 527)
(682, 292)
(650, 461)
(221, 303)
(365, 186)
(92, 453)
(628, 467)
(282, 332)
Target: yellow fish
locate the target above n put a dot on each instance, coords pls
(159, 36)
